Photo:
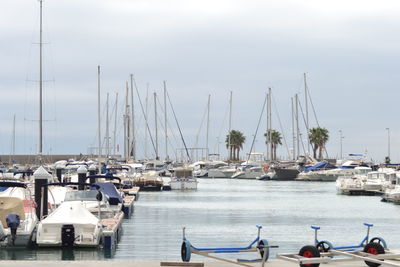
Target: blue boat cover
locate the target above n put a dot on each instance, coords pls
(110, 190)
(320, 165)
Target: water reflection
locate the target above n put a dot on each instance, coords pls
(225, 212)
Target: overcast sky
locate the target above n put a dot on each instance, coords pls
(349, 50)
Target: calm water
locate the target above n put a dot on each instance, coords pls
(224, 213)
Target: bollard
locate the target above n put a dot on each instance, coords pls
(59, 170)
(82, 171)
(41, 177)
(92, 171)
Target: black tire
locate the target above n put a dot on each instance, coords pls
(309, 252)
(375, 249)
(379, 240)
(324, 246)
(261, 244)
(185, 251)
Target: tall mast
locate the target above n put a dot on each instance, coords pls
(98, 114)
(126, 124)
(208, 124)
(306, 102)
(268, 157)
(155, 121)
(107, 128)
(297, 124)
(133, 122)
(12, 154)
(115, 124)
(270, 121)
(230, 125)
(293, 131)
(145, 121)
(41, 84)
(165, 120)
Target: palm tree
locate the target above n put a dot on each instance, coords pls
(237, 140)
(276, 139)
(318, 137)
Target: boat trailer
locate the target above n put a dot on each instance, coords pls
(373, 251)
(257, 245)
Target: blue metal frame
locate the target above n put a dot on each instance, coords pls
(345, 248)
(228, 249)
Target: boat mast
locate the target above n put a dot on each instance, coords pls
(165, 120)
(12, 154)
(41, 84)
(293, 131)
(208, 124)
(98, 116)
(297, 124)
(133, 123)
(306, 102)
(145, 121)
(127, 130)
(230, 127)
(115, 124)
(107, 129)
(270, 122)
(155, 121)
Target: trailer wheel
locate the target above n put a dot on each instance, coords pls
(379, 240)
(185, 251)
(324, 246)
(309, 252)
(375, 249)
(261, 244)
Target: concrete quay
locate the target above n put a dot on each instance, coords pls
(155, 263)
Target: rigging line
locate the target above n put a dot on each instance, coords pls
(223, 123)
(168, 126)
(280, 125)
(179, 128)
(312, 105)
(201, 126)
(258, 125)
(305, 123)
(145, 117)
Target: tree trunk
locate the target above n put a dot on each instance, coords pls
(315, 148)
(320, 152)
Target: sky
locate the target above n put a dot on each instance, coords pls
(349, 51)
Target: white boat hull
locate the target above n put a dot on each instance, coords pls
(184, 184)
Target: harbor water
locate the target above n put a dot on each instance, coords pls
(224, 212)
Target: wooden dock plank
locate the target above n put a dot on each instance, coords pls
(182, 264)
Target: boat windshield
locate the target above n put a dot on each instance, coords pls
(81, 195)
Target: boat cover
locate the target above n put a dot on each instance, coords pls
(110, 190)
(11, 205)
(71, 212)
(320, 165)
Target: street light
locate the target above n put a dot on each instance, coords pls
(388, 130)
(341, 144)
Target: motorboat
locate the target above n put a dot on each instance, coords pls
(182, 179)
(17, 214)
(322, 171)
(353, 184)
(392, 192)
(70, 225)
(248, 172)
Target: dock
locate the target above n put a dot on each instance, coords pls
(153, 263)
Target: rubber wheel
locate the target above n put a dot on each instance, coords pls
(309, 252)
(379, 240)
(261, 244)
(375, 249)
(324, 246)
(185, 251)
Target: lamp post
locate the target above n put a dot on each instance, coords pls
(341, 144)
(388, 132)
